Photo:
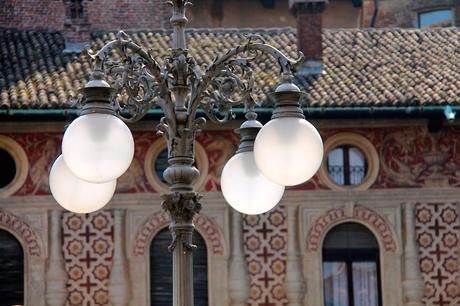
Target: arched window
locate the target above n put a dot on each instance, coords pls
(351, 272)
(161, 270)
(11, 270)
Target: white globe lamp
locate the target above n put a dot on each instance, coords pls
(288, 150)
(243, 185)
(98, 147)
(77, 195)
(246, 189)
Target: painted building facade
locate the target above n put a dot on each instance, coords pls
(387, 194)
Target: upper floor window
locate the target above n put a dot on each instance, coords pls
(347, 165)
(8, 166)
(351, 162)
(11, 270)
(436, 18)
(351, 274)
(75, 9)
(161, 163)
(156, 162)
(268, 3)
(14, 166)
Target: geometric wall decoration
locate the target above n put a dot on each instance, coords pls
(265, 245)
(437, 230)
(88, 253)
(406, 158)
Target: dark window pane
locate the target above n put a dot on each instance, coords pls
(75, 8)
(350, 236)
(161, 270)
(8, 168)
(161, 163)
(11, 270)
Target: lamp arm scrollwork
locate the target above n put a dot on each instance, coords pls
(133, 70)
(140, 83)
(230, 74)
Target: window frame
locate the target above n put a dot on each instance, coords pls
(75, 10)
(365, 146)
(21, 162)
(346, 148)
(350, 257)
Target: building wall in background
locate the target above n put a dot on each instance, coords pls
(100, 14)
(413, 163)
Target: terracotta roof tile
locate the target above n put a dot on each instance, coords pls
(375, 67)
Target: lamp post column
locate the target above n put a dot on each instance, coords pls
(182, 202)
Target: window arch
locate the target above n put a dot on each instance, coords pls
(11, 270)
(351, 268)
(161, 270)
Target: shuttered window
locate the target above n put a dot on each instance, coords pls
(11, 270)
(161, 270)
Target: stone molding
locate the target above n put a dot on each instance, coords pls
(21, 162)
(318, 216)
(119, 284)
(212, 224)
(34, 256)
(146, 232)
(361, 214)
(211, 233)
(23, 232)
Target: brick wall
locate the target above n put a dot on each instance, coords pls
(309, 28)
(392, 13)
(101, 14)
(128, 14)
(32, 14)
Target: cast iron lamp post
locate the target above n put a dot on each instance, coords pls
(98, 147)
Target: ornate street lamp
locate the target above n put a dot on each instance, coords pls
(98, 147)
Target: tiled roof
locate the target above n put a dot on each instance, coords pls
(375, 67)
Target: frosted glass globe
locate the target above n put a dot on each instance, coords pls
(246, 189)
(288, 151)
(75, 194)
(98, 147)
